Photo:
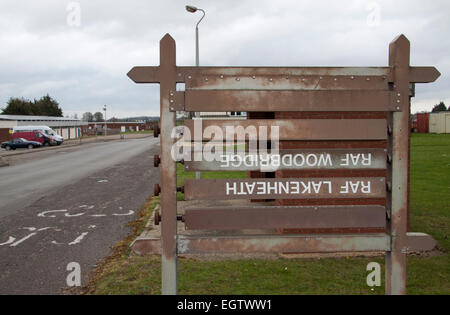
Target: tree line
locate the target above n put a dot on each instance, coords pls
(45, 106)
(440, 108)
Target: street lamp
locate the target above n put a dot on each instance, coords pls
(106, 126)
(192, 9)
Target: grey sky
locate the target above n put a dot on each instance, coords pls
(85, 66)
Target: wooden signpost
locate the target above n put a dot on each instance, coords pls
(360, 155)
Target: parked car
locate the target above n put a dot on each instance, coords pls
(35, 136)
(43, 134)
(20, 143)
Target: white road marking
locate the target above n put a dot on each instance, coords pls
(98, 215)
(44, 214)
(31, 229)
(73, 215)
(86, 206)
(130, 212)
(79, 238)
(9, 241)
(22, 240)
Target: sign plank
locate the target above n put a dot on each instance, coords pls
(284, 188)
(257, 101)
(195, 244)
(312, 159)
(285, 217)
(287, 82)
(295, 129)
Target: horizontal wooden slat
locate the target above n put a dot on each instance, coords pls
(285, 71)
(286, 82)
(284, 188)
(311, 159)
(257, 101)
(194, 244)
(297, 129)
(320, 217)
(150, 74)
(416, 242)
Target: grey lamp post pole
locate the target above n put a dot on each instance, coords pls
(106, 124)
(192, 9)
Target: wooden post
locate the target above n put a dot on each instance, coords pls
(168, 167)
(399, 51)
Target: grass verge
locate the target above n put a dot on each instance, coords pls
(123, 273)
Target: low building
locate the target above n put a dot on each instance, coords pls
(68, 128)
(93, 128)
(440, 122)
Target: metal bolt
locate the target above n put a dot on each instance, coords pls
(398, 94)
(320, 78)
(171, 101)
(398, 108)
(189, 77)
(368, 79)
(156, 190)
(253, 77)
(270, 79)
(157, 217)
(171, 93)
(352, 77)
(389, 186)
(335, 79)
(237, 79)
(206, 79)
(156, 131)
(221, 76)
(390, 129)
(156, 160)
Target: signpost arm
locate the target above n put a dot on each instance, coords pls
(168, 167)
(399, 55)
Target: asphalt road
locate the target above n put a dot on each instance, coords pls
(69, 207)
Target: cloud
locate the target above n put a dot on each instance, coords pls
(85, 67)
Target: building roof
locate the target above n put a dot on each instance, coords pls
(35, 118)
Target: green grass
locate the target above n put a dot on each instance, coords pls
(430, 182)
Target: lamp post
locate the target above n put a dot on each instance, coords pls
(192, 9)
(106, 124)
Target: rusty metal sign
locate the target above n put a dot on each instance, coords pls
(312, 159)
(291, 188)
(373, 140)
(257, 218)
(257, 101)
(293, 129)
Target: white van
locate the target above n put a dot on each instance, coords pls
(44, 130)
